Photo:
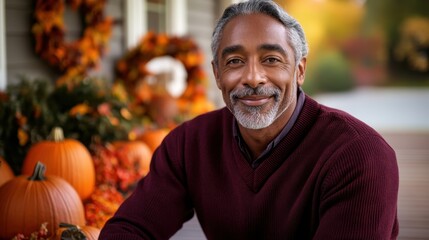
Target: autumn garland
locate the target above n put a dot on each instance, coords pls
(74, 58)
(131, 69)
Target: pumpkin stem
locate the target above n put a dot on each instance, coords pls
(57, 134)
(72, 232)
(38, 172)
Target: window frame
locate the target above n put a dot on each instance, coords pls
(135, 17)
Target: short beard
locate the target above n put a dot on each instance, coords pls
(252, 117)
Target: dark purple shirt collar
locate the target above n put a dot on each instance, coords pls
(275, 141)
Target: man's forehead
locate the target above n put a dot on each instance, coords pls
(261, 48)
(255, 27)
(258, 31)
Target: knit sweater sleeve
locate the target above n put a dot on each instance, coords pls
(358, 197)
(159, 205)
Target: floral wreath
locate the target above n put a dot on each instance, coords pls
(131, 70)
(74, 58)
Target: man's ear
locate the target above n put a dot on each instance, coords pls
(301, 71)
(216, 73)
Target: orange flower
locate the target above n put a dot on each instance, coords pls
(193, 59)
(126, 114)
(102, 204)
(22, 137)
(104, 109)
(60, 53)
(132, 135)
(21, 119)
(162, 40)
(119, 91)
(113, 120)
(143, 92)
(80, 109)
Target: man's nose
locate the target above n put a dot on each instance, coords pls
(254, 74)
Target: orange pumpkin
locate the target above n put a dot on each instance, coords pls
(154, 137)
(27, 202)
(66, 158)
(91, 233)
(137, 152)
(6, 172)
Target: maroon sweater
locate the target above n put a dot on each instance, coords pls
(331, 177)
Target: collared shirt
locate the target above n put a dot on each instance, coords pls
(243, 147)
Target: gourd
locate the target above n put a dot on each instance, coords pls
(66, 158)
(27, 202)
(70, 231)
(6, 172)
(136, 152)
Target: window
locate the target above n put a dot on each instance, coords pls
(156, 15)
(163, 16)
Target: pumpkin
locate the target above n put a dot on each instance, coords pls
(6, 172)
(66, 158)
(136, 152)
(27, 202)
(70, 231)
(153, 137)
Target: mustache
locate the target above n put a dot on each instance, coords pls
(260, 90)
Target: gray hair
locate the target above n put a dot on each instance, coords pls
(296, 36)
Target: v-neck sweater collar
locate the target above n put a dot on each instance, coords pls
(244, 148)
(256, 177)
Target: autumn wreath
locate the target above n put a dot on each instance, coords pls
(76, 57)
(131, 71)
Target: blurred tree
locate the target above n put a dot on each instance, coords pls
(390, 14)
(412, 48)
(397, 21)
(329, 25)
(331, 72)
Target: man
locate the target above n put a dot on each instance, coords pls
(273, 164)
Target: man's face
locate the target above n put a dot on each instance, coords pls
(256, 70)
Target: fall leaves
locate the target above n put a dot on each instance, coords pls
(74, 58)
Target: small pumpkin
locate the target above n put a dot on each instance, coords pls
(6, 172)
(154, 137)
(136, 152)
(69, 231)
(27, 202)
(66, 158)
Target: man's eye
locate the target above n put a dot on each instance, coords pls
(234, 61)
(272, 60)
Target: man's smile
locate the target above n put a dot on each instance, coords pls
(255, 100)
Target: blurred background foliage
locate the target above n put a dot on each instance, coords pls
(87, 111)
(367, 43)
